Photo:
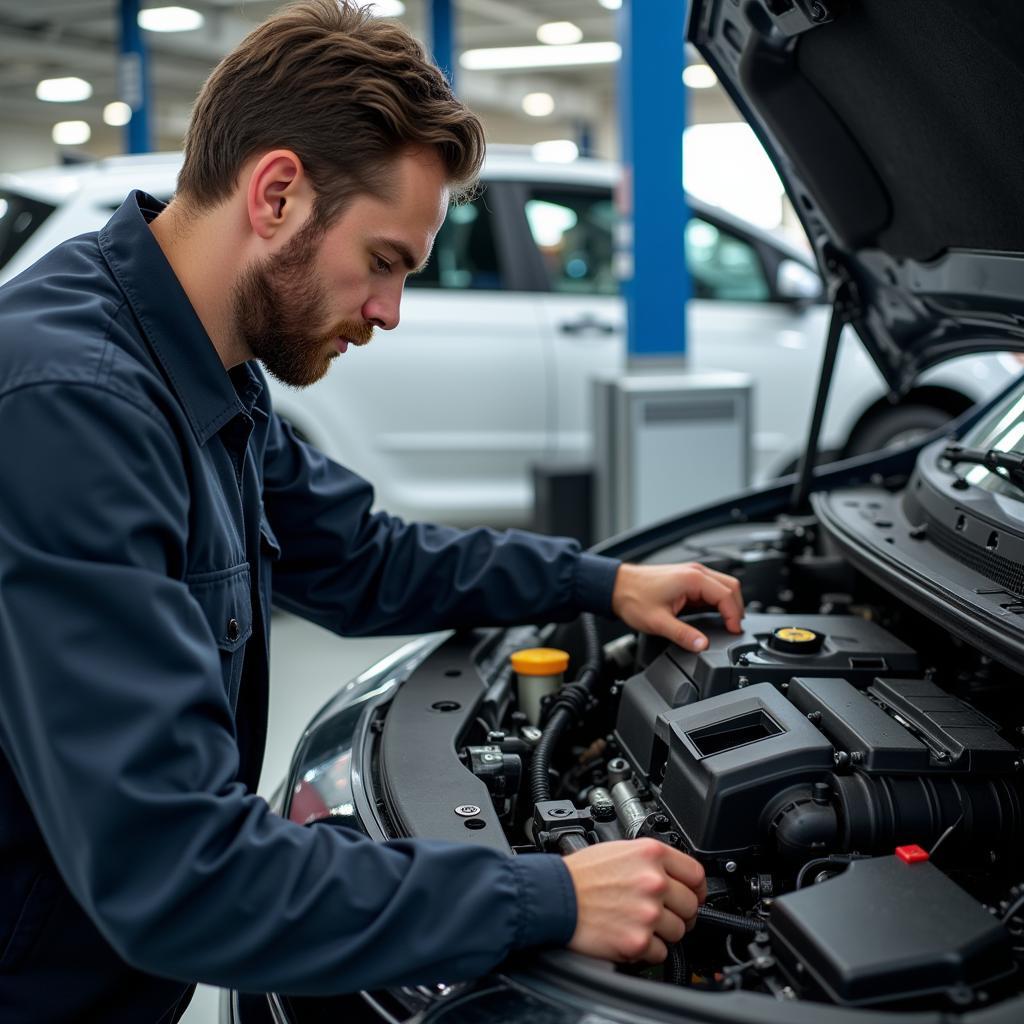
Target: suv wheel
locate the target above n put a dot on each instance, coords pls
(899, 425)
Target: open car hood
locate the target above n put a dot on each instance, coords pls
(895, 127)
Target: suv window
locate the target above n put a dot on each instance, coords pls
(464, 254)
(573, 230)
(723, 265)
(20, 218)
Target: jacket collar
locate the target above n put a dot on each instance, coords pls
(171, 325)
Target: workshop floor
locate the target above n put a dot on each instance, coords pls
(307, 666)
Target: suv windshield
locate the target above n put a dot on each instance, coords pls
(20, 218)
(1003, 430)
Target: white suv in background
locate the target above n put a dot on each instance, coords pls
(489, 371)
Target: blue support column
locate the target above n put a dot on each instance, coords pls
(652, 113)
(442, 37)
(133, 79)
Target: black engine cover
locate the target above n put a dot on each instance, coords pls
(805, 752)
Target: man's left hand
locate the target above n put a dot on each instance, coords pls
(649, 598)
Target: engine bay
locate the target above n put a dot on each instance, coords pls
(847, 772)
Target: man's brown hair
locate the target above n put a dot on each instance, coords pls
(345, 91)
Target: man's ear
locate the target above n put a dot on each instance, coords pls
(279, 196)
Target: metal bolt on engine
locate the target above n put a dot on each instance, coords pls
(467, 810)
(530, 733)
(730, 866)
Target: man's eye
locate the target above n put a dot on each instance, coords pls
(382, 265)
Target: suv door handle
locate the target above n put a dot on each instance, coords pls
(586, 324)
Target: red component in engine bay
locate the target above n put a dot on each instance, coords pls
(912, 854)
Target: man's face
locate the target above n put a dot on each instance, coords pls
(301, 307)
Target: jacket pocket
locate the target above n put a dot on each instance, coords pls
(225, 596)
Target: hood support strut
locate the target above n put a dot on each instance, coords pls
(842, 313)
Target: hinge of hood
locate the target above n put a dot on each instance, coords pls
(794, 17)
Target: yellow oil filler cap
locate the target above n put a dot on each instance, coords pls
(539, 671)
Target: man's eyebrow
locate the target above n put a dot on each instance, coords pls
(405, 254)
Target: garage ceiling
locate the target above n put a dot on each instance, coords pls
(53, 38)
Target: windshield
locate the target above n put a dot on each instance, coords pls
(1003, 430)
(20, 218)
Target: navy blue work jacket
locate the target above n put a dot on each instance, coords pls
(150, 505)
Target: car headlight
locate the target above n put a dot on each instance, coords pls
(326, 773)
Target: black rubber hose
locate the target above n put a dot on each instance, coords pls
(675, 965)
(569, 705)
(540, 787)
(732, 921)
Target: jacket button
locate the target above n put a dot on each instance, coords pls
(233, 630)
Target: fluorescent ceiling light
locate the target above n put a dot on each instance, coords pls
(556, 151)
(170, 19)
(71, 133)
(559, 33)
(386, 8)
(117, 114)
(509, 57)
(538, 104)
(699, 76)
(63, 90)
(610, 5)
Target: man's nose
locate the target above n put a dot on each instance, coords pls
(382, 311)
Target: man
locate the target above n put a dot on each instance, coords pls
(152, 504)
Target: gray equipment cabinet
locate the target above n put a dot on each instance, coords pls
(668, 442)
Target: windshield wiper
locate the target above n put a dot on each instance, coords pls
(1010, 462)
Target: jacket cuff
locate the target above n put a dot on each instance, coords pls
(595, 581)
(547, 900)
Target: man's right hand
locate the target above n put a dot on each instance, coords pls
(634, 898)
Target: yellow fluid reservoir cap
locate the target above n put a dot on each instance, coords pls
(796, 635)
(796, 640)
(540, 661)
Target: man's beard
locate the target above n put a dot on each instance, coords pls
(275, 310)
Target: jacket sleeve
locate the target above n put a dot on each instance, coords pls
(114, 719)
(359, 572)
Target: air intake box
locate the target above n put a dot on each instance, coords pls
(729, 756)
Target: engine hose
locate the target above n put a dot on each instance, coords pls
(675, 966)
(568, 707)
(733, 921)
